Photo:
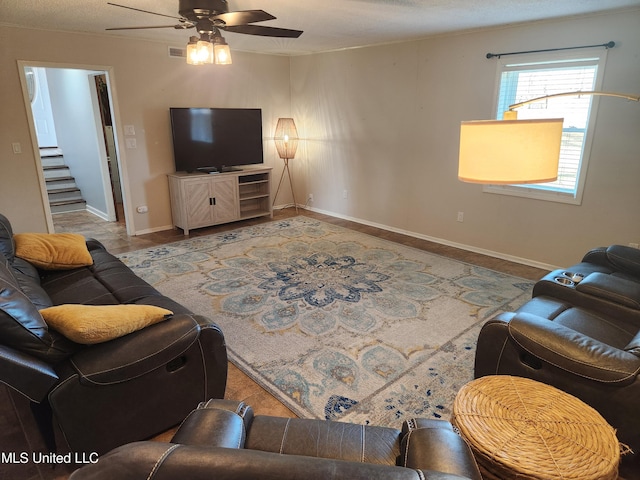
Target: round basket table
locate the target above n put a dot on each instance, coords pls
(520, 428)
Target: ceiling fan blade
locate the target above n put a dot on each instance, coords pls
(144, 11)
(264, 31)
(243, 17)
(182, 26)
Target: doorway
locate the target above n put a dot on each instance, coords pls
(74, 131)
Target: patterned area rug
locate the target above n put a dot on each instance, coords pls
(335, 323)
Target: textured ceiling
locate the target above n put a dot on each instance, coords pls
(327, 25)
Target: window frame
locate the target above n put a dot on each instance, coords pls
(542, 192)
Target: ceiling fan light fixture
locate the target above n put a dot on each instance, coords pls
(205, 51)
(221, 51)
(192, 51)
(208, 17)
(199, 51)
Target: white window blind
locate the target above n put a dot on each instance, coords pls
(520, 81)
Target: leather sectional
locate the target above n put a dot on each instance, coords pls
(111, 393)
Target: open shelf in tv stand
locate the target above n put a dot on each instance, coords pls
(203, 199)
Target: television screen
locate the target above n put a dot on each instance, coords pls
(216, 139)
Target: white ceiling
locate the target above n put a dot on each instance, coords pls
(327, 25)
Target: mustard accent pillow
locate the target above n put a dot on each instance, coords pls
(53, 251)
(89, 324)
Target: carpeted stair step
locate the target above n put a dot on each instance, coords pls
(55, 171)
(53, 161)
(51, 157)
(62, 182)
(50, 152)
(64, 194)
(67, 206)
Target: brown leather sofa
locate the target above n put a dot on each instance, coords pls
(111, 393)
(222, 439)
(582, 337)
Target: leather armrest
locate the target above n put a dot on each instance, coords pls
(572, 351)
(217, 423)
(129, 462)
(135, 354)
(614, 289)
(205, 322)
(416, 423)
(627, 259)
(93, 244)
(28, 375)
(433, 446)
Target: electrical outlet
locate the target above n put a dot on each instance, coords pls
(310, 197)
(461, 216)
(345, 194)
(142, 209)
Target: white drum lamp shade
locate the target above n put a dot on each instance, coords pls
(510, 151)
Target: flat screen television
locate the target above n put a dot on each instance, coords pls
(216, 139)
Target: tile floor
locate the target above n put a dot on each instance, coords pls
(17, 429)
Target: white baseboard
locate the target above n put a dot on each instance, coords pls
(98, 213)
(288, 205)
(469, 248)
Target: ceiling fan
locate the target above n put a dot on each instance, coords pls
(208, 17)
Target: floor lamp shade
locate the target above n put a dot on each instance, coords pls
(510, 151)
(286, 138)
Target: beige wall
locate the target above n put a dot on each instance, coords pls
(147, 82)
(383, 124)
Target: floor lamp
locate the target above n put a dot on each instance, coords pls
(513, 151)
(286, 139)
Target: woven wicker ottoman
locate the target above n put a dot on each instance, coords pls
(520, 428)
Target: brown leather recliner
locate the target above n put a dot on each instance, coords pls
(591, 355)
(222, 439)
(579, 333)
(112, 393)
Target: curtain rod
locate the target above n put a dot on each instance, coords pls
(605, 45)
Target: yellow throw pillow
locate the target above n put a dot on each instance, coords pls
(53, 251)
(89, 324)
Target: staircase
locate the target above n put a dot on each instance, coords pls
(64, 194)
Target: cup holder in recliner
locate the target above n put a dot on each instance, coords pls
(569, 279)
(564, 281)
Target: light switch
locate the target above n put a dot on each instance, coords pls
(131, 143)
(17, 148)
(129, 130)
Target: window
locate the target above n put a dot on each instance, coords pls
(530, 77)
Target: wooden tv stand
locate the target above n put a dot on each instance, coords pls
(205, 199)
